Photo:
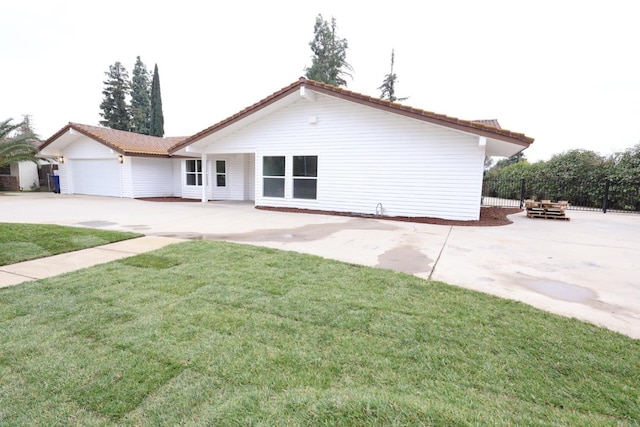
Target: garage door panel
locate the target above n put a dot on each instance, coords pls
(99, 177)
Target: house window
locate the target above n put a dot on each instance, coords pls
(5, 170)
(305, 177)
(194, 172)
(273, 176)
(221, 173)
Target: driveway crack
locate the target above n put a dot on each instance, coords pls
(435, 264)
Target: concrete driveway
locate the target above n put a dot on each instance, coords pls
(588, 268)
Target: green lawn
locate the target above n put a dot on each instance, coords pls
(210, 333)
(22, 242)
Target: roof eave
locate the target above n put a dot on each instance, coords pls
(438, 119)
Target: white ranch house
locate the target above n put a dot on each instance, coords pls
(307, 146)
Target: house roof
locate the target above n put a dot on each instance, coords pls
(126, 143)
(488, 128)
(489, 122)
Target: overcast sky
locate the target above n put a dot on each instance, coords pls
(566, 73)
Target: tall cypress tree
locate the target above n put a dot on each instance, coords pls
(156, 127)
(140, 99)
(115, 110)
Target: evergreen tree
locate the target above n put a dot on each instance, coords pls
(140, 98)
(329, 61)
(388, 87)
(156, 127)
(115, 110)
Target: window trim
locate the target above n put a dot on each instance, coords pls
(196, 173)
(305, 177)
(273, 178)
(221, 174)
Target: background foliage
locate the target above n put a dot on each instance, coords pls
(579, 176)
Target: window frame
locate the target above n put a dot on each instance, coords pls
(222, 174)
(280, 178)
(196, 173)
(305, 176)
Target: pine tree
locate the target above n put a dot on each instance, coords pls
(157, 118)
(115, 110)
(329, 60)
(388, 87)
(140, 98)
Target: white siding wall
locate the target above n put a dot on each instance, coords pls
(249, 177)
(367, 157)
(28, 175)
(235, 172)
(176, 171)
(126, 178)
(87, 148)
(151, 177)
(64, 174)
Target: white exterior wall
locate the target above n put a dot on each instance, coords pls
(367, 157)
(249, 177)
(151, 177)
(176, 173)
(28, 176)
(63, 173)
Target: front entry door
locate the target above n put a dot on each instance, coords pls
(220, 184)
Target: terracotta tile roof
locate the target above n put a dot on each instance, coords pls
(479, 127)
(127, 143)
(489, 122)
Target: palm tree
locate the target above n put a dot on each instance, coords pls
(19, 148)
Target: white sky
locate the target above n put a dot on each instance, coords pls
(564, 72)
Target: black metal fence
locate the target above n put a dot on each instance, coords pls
(606, 195)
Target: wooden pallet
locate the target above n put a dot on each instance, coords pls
(547, 216)
(546, 209)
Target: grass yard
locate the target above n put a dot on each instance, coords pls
(211, 333)
(23, 242)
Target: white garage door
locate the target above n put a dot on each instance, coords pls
(96, 177)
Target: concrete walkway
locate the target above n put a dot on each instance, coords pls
(42, 268)
(585, 268)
